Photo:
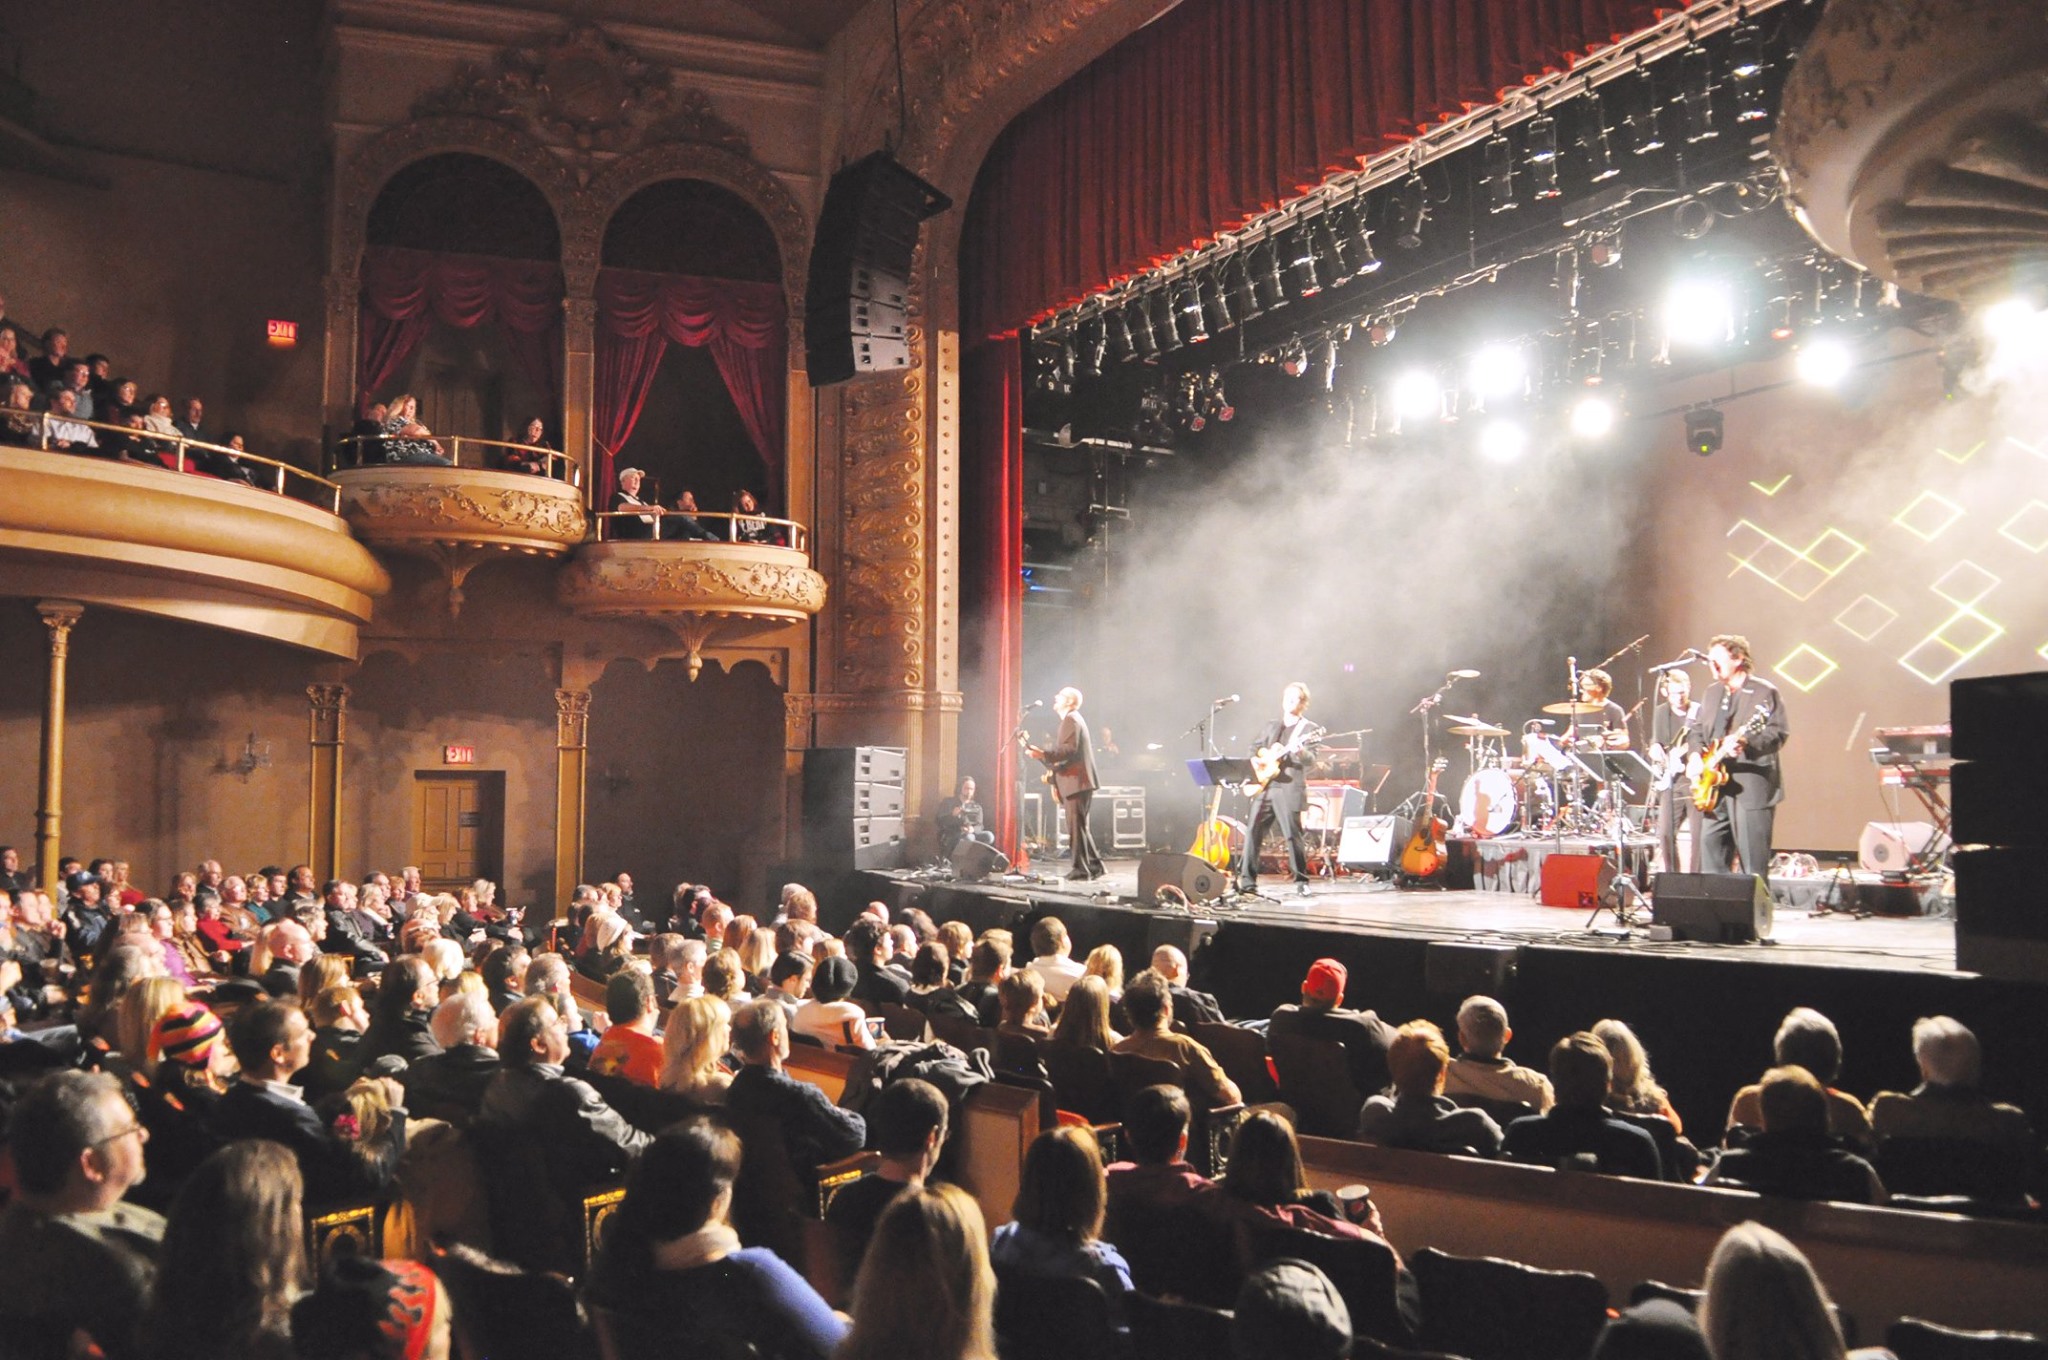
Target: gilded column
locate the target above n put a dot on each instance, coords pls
(327, 733)
(797, 712)
(579, 385)
(572, 768)
(59, 616)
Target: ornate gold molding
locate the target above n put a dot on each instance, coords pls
(797, 713)
(618, 580)
(572, 719)
(401, 504)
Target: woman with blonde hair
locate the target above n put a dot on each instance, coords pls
(1764, 1302)
(408, 441)
(1634, 1089)
(319, 973)
(756, 956)
(925, 1290)
(696, 1039)
(1084, 1020)
(135, 1015)
(1107, 963)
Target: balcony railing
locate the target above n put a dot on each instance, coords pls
(723, 527)
(175, 453)
(492, 455)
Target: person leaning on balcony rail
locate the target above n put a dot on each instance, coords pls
(646, 524)
(19, 423)
(530, 455)
(684, 523)
(750, 527)
(408, 440)
(66, 431)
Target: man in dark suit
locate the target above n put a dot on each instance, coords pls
(1071, 758)
(450, 1084)
(1280, 804)
(1739, 826)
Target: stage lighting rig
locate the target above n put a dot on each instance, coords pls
(1411, 211)
(1294, 359)
(1645, 119)
(1745, 71)
(1163, 325)
(1116, 330)
(1354, 238)
(1267, 284)
(1237, 287)
(1823, 361)
(1703, 430)
(1598, 140)
(1322, 242)
(1094, 347)
(1503, 441)
(1416, 395)
(1144, 342)
(1696, 94)
(1298, 259)
(1215, 306)
(1187, 311)
(1541, 139)
(1593, 417)
(1497, 159)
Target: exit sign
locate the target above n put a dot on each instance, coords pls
(281, 332)
(458, 755)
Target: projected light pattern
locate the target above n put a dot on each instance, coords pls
(2040, 451)
(1929, 516)
(1775, 487)
(1805, 666)
(1799, 572)
(1961, 636)
(1965, 456)
(2028, 528)
(1866, 618)
(1965, 584)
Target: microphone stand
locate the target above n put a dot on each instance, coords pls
(1423, 707)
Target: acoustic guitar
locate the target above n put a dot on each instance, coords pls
(1267, 760)
(1424, 857)
(1050, 777)
(1709, 770)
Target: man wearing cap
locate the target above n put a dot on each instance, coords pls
(644, 525)
(1321, 1015)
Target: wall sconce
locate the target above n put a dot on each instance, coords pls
(255, 756)
(614, 781)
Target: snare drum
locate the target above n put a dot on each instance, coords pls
(1486, 805)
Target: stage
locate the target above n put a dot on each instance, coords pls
(1705, 1010)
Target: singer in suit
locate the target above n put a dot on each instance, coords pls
(1281, 803)
(1071, 758)
(1673, 729)
(1739, 827)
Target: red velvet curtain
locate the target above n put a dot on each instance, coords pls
(992, 582)
(746, 326)
(1223, 109)
(405, 291)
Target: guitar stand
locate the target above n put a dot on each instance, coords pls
(1627, 900)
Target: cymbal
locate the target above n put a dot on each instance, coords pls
(1582, 706)
(1479, 730)
(1461, 718)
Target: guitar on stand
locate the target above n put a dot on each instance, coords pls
(1424, 858)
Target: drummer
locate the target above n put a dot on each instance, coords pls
(1607, 727)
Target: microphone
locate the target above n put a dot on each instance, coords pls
(1464, 675)
(1225, 702)
(1677, 665)
(1035, 703)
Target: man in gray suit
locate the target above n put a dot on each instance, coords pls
(1071, 758)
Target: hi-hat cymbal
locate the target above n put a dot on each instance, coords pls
(1479, 730)
(1463, 718)
(1582, 706)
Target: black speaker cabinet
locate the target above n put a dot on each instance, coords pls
(1461, 970)
(856, 305)
(1374, 842)
(1193, 875)
(975, 860)
(1715, 907)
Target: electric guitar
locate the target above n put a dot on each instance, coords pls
(1709, 771)
(1050, 778)
(1676, 757)
(1267, 760)
(1424, 857)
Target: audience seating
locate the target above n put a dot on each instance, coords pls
(1502, 1112)
(1689, 1299)
(599, 1204)
(1315, 1078)
(1917, 1339)
(345, 1230)
(1241, 1053)
(964, 1034)
(1130, 1073)
(1018, 1053)
(1080, 1080)
(1185, 1252)
(905, 1024)
(1365, 1348)
(1182, 1330)
(1053, 1318)
(1680, 1159)
(1950, 1166)
(1488, 1309)
(1365, 1271)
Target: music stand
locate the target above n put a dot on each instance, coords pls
(1219, 773)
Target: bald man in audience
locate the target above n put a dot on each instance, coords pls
(1482, 1071)
(1190, 1005)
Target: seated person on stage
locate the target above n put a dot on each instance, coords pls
(907, 1125)
(1795, 1156)
(1417, 1115)
(1578, 1125)
(684, 524)
(1948, 1103)
(1481, 1070)
(1053, 958)
(1807, 1039)
(1193, 1007)
(643, 526)
(1321, 1015)
(829, 1017)
(1150, 1007)
(960, 818)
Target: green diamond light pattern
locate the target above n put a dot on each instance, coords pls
(1866, 618)
(1961, 636)
(1805, 666)
(1928, 516)
(2029, 527)
(1965, 584)
(1799, 572)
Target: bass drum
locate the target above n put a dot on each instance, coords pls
(1486, 805)
(1220, 841)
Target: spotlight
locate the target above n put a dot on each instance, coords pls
(1496, 371)
(1244, 304)
(1354, 239)
(1326, 362)
(1294, 360)
(1598, 142)
(1298, 257)
(1066, 363)
(1416, 395)
(1703, 431)
(1696, 94)
(1162, 321)
(1824, 361)
(1646, 119)
(1380, 332)
(1411, 210)
(1323, 245)
(2018, 331)
(1498, 160)
(1606, 252)
(1187, 310)
(1116, 329)
(1094, 347)
(1541, 139)
(1593, 418)
(1215, 307)
(1503, 441)
(1746, 67)
(1699, 312)
(1267, 286)
(1144, 343)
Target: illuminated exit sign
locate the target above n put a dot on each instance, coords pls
(281, 333)
(458, 755)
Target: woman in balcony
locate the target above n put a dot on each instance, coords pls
(530, 455)
(409, 441)
(11, 363)
(750, 528)
(19, 422)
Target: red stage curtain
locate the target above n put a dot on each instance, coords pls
(1222, 110)
(992, 584)
(640, 314)
(405, 291)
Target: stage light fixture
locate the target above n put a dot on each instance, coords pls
(1116, 332)
(1497, 158)
(1354, 238)
(1298, 260)
(1823, 361)
(1496, 371)
(1329, 259)
(1696, 94)
(1294, 359)
(1745, 70)
(1163, 325)
(1541, 140)
(1187, 309)
(1267, 286)
(1606, 251)
(1237, 276)
(1094, 347)
(1503, 441)
(1703, 430)
(1215, 307)
(1598, 141)
(1144, 342)
(1699, 312)
(1646, 115)
(1416, 395)
(1411, 210)
(1326, 362)
(1380, 332)
(1067, 362)
(2018, 332)
(1593, 417)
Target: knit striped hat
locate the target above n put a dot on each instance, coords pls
(188, 1034)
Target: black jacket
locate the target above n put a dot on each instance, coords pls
(1197, 1008)
(1621, 1149)
(410, 1039)
(338, 1057)
(331, 1173)
(1364, 1035)
(813, 1128)
(450, 1085)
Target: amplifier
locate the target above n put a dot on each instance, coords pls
(1373, 843)
(1331, 802)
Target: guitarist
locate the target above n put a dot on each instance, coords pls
(1739, 826)
(1673, 728)
(1283, 799)
(1071, 758)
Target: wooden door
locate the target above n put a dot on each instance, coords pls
(456, 828)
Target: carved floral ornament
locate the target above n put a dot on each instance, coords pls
(650, 585)
(464, 510)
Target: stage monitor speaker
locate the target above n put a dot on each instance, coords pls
(1373, 843)
(1462, 970)
(1721, 908)
(974, 860)
(1578, 881)
(856, 305)
(1889, 847)
(1193, 875)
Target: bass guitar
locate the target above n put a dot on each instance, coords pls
(1424, 857)
(1709, 770)
(1267, 760)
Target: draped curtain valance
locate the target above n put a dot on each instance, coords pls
(405, 291)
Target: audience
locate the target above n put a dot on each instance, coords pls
(1321, 1015)
(1195, 1007)
(1417, 1115)
(867, 948)
(365, 1309)
(1807, 1039)
(925, 1290)
(582, 1140)
(1084, 1020)
(813, 1129)
(987, 965)
(1150, 1007)
(1057, 1228)
(233, 1258)
(1577, 1128)
(450, 1085)
(1633, 1089)
(1266, 1185)
(829, 1016)
(1795, 1155)
(1289, 1310)
(1948, 1102)
(694, 1046)
(907, 1126)
(1052, 962)
(1481, 1071)
(630, 1048)
(1763, 1301)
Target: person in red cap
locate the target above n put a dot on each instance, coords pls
(1321, 1015)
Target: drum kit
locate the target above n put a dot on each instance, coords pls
(1547, 789)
